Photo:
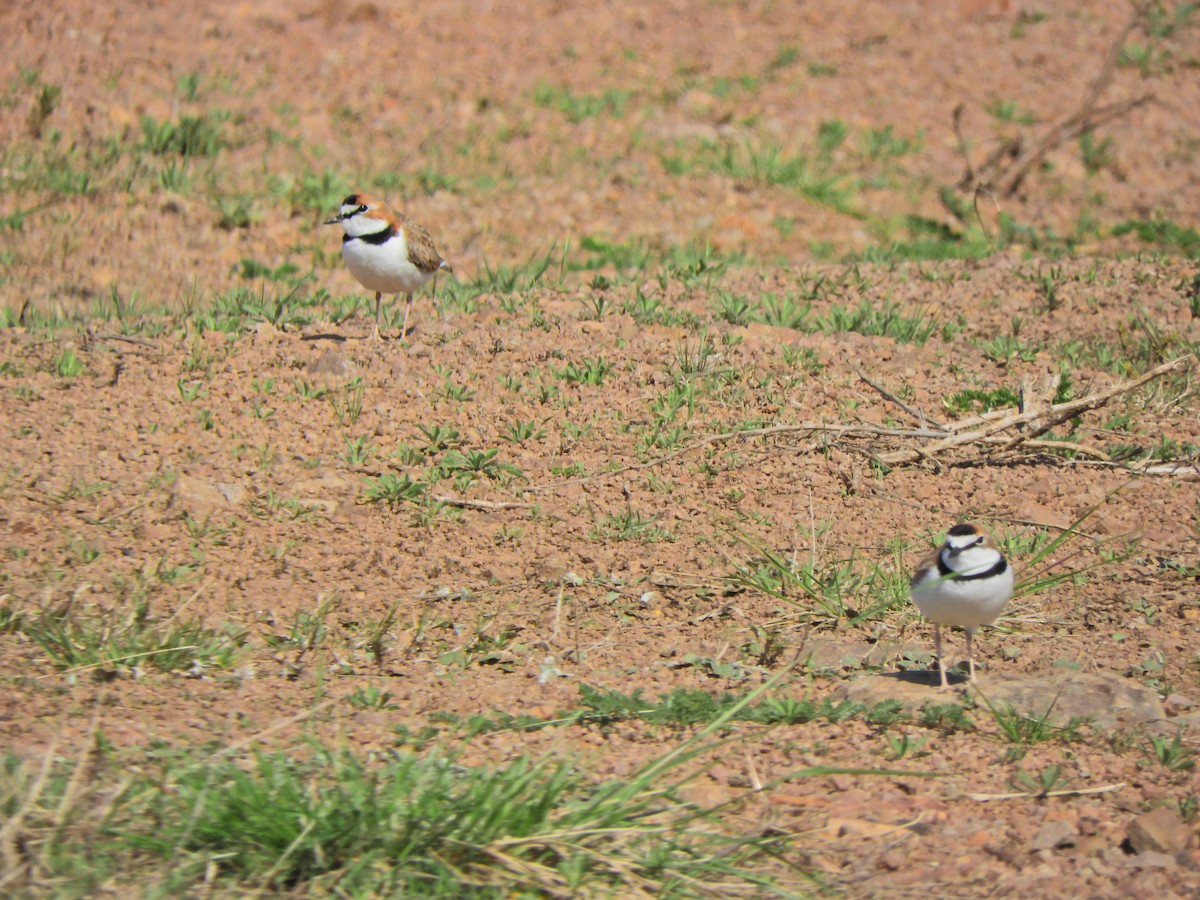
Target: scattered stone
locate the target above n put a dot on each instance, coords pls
(651, 600)
(548, 569)
(330, 363)
(199, 496)
(840, 828)
(841, 782)
(1190, 722)
(1177, 704)
(322, 493)
(1152, 860)
(913, 690)
(1053, 836)
(1159, 831)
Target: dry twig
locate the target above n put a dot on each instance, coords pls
(1003, 172)
(1045, 418)
(485, 505)
(1069, 792)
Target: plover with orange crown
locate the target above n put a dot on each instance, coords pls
(964, 583)
(386, 251)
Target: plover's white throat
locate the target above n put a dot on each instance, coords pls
(964, 583)
(386, 251)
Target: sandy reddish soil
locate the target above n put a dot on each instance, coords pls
(112, 480)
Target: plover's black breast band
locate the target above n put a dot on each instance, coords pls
(946, 572)
(375, 237)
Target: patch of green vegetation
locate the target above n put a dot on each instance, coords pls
(521, 432)
(234, 210)
(814, 175)
(882, 143)
(611, 102)
(1010, 111)
(925, 238)
(67, 364)
(1162, 233)
(520, 279)
(347, 401)
(784, 311)
(311, 192)
(630, 255)
(473, 463)
(394, 490)
(683, 708)
(1173, 754)
(1004, 347)
(947, 717)
(190, 136)
(1023, 731)
(1023, 22)
(1097, 154)
(590, 371)
(829, 591)
(630, 525)
(887, 320)
(279, 300)
(974, 400)
(324, 821)
(1040, 785)
(1140, 346)
(1045, 561)
(785, 57)
(111, 642)
(436, 438)
(45, 102)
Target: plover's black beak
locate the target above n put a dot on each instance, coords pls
(334, 221)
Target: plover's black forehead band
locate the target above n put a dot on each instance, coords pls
(962, 530)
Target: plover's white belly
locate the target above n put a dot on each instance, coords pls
(965, 603)
(385, 268)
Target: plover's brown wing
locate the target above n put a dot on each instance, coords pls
(928, 561)
(421, 252)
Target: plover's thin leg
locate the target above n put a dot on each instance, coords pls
(937, 646)
(378, 306)
(404, 327)
(970, 655)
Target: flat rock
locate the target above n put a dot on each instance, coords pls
(330, 363)
(1053, 835)
(1158, 831)
(1108, 701)
(200, 496)
(322, 492)
(1188, 722)
(846, 654)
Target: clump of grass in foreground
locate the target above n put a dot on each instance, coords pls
(111, 642)
(413, 825)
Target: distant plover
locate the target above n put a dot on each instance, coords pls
(965, 582)
(386, 251)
